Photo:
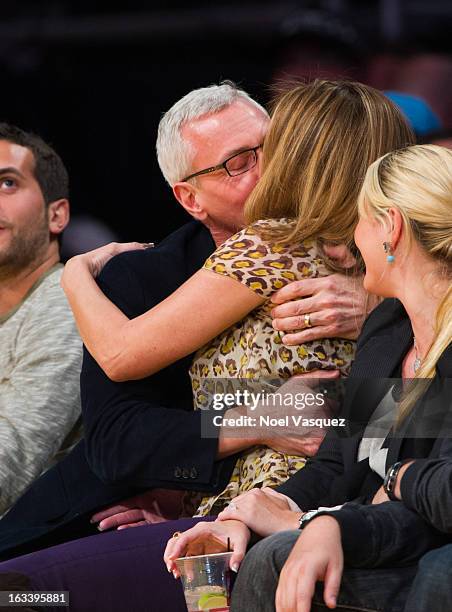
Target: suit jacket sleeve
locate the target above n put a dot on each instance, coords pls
(310, 487)
(136, 432)
(426, 486)
(317, 484)
(324, 481)
(384, 535)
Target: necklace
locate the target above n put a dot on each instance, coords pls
(417, 361)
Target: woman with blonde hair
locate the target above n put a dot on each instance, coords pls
(386, 494)
(322, 138)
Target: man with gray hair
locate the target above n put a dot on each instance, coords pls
(208, 146)
(142, 438)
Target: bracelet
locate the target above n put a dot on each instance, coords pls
(390, 480)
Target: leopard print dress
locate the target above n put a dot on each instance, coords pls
(252, 349)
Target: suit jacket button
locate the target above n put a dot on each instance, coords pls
(177, 472)
(193, 473)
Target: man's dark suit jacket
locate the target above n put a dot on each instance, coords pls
(139, 434)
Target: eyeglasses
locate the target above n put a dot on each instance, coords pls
(234, 165)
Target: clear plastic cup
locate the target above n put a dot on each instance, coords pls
(207, 581)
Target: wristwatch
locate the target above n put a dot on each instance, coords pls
(306, 518)
(390, 480)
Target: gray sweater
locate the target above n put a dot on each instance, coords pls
(40, 361)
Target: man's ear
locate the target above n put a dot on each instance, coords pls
(58, 215)
(186, 195)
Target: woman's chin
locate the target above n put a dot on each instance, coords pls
(368, 284)
(371, 285)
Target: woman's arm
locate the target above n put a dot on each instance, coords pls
(263, 511)
(198, 311)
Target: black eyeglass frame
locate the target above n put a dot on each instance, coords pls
(223, 166)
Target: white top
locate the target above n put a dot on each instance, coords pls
(375, 434)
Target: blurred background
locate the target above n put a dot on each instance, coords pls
(94, 79)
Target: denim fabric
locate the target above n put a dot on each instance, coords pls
(432, 586)
(375, 590)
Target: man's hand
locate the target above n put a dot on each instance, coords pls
(337, 306)
(154, 506)
(294, 438)
(317, 556)
(264, 511)
(299, 446)
(236, 532)
(297, 440)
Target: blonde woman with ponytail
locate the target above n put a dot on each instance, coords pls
(404, 235)
(383, 497)
(405, 208)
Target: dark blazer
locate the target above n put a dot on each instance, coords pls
(393, 533)
(139, 434)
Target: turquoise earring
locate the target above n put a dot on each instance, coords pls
(388, 249)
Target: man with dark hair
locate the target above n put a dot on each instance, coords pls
(48, 169)
(41, 352)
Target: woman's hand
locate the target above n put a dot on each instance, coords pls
(380, 496)
(264, 511)
(95, 260)
(317, 556)
(236, 532)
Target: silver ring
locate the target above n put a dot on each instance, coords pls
(232, 506)
(307, 320)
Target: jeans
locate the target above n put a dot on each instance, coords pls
(432, 586)
(381, 590)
